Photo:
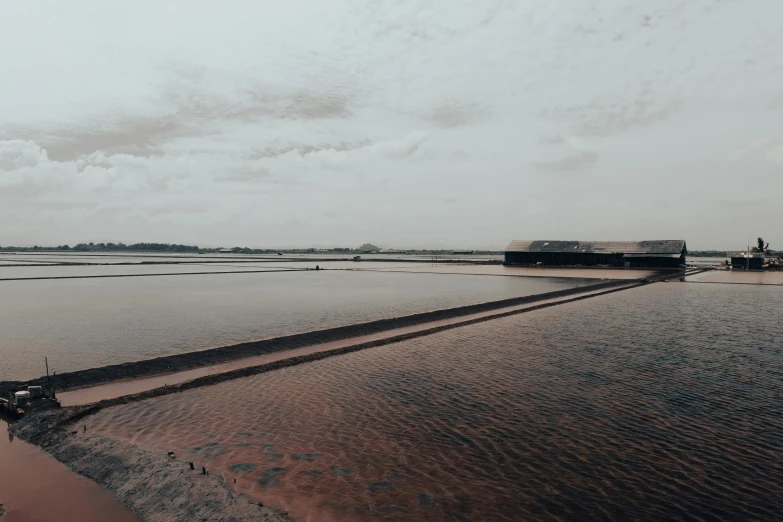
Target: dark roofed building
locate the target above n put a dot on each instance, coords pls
(647, 254)
(752, 261)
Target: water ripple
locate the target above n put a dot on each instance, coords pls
(656, 403)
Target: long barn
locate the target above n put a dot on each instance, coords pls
(646, 254)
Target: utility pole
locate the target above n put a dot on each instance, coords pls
(48, 383)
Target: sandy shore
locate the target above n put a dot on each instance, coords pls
(154, 486)
(215, 356)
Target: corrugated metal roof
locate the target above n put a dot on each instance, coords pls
(670, 256)
(666, 246)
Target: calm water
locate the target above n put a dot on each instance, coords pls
(15, 271)
(27, 272)
(656, 403)
(34, 487)
(739, 277)
(502, 270)
(137, 257)
(82, 323)
(228, 263)
(705, 261)
(140, 258)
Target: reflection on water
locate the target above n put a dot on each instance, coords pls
(661, 402)
(770, 277)
(511, 270)
(34, 487)
(62, 271)
(84, 323)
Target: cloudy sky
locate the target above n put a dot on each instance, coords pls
(407, 124)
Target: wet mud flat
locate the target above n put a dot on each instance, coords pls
(158, 488)
(215, 356)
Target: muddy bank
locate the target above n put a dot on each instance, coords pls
(154, 486)
(214, 356)
(36, 487)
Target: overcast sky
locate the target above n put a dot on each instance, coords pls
(407, 124)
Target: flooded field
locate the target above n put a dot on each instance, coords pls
(15, 271)
(739, 277)
(85, 323)
(37, 270)
(63, 271)
(668, 410)
(707, 261)
(141, 259)
(510, 271)
(138, 257)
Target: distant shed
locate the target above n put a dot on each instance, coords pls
(644, 254)
(743, 262)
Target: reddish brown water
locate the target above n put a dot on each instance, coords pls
(511, 271)
(87, 323)
(34, 487)
(739, 277)
(115, 389)
(657, 403)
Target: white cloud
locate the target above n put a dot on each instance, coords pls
(383, 150)
(15, 154)
(776, 153)
(769, 148)
(571, 161)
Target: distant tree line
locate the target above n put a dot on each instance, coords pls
(111, 247)
(146, 247)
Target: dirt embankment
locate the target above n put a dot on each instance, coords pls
(154, 486)
(211, 357)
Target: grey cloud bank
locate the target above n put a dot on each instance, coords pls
(443, 124)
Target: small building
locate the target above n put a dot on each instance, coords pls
(752, 261)
(225, 251)
(637, 254)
